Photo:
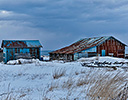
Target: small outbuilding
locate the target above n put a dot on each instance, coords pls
(15, 49)
(88, 47)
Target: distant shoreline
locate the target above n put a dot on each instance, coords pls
(46, 52)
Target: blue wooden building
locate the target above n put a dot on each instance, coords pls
(15, 49)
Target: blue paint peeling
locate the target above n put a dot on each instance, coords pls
(13, 47)
(84, 53)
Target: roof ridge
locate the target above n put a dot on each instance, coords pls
(20, 40)
(20, 43)
(83, 44)
(96, 37)
(91, 38)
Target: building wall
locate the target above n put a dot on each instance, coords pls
(70, 57)
(66, 57)
(112, 47)
(1, 56)
(86, 53)
(10, 53)
(4, 55)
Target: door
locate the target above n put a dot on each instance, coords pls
(103, 52)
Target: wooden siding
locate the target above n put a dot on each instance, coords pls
(88, 47)
(112, 46)
(15, 53)
(66, 57)
(85, 53)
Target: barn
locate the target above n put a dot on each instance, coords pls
(15, 49)
(88, 47)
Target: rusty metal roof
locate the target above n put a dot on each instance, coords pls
(20, 43)
(83, 44)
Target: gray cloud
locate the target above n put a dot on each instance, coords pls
(57, 23)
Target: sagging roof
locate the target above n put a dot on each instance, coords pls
(20, 43)
(83, 44)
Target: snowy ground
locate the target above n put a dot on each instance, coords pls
(56, 80)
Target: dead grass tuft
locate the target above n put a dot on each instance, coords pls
(107, 87)
(59, 73)
(82, 81)
(53, 85)
(68, 84)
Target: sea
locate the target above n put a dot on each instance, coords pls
(46, 52)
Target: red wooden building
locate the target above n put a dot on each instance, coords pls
(88, 47)
(112, 47)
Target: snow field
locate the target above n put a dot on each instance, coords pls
(56, 80)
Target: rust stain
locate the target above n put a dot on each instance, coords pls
(85, 44)
(81, 45)
(14, 44)
(20, 43)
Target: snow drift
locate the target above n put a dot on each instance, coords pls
(37, 80)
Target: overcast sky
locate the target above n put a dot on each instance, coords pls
(58, 23)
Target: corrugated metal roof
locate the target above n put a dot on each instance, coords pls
(20, 43)
(83, 44)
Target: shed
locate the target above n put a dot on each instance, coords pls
(15, 49)
(88, 47)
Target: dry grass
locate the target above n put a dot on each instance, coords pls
(101, 85)
(82, 81)
(15, 95)
(53, 85)
(107, 87)
(87, 77)
(80, 72)
(77, 73)
(83, 71)
(59, 73)
(95, 84)
(68, 84)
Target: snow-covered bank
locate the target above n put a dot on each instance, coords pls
(22, 61)
(36, 80)
(102, 59)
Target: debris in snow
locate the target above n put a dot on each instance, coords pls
(22, 61)
(104, 62)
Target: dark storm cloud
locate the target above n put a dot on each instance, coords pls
(57, 23)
